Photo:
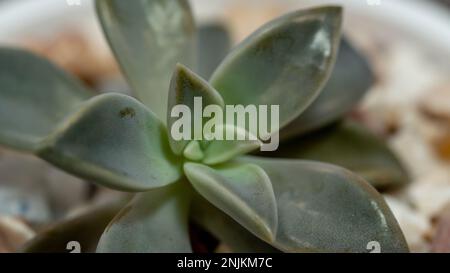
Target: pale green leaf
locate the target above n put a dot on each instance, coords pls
(219, 151)
(286, 62)
(113, 140)
(189, 90)
(242, 191)
(148, 38)
(35, 96)
(193, 151)
(153, 222)
(324, 208)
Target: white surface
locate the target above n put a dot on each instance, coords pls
(422, 21)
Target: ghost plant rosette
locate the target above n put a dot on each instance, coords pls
(251, 203)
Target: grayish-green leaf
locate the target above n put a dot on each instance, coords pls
(226, 229)
(214, 42)
(154, 222)
(286, 62)
(324, 208)
(185, 88)
(85, 229)
(148, 38)
(349, 82)
(193, 151)
(114, 140)
(242, 191)
(351, 146)
(34, 97)
(220, 151)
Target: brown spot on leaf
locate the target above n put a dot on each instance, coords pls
(127, 112)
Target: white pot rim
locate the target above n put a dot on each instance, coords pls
(422, 20)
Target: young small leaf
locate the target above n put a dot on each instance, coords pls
(185, 88)
(219, 151)
(193, 151)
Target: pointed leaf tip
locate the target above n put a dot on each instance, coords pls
(193, 151)
(35, 96)
(148, 38)
(286, 62)
(114, 140)
(189, 95)
(242, 191)
(349, 82)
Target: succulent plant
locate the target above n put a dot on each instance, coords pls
(251, 203)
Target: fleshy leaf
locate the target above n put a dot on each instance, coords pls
(227, 230)
(153, 222)
(193, 151)
(214, 42)
(219, 151)
(115, 141)
(189, 90)
(286, 62)
(351, 146)
(85, 229)
(242, 191)
(349, 82)
(324, 208)
(148, 38)
(35, 96)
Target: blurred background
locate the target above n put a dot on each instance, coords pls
(406, 42)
